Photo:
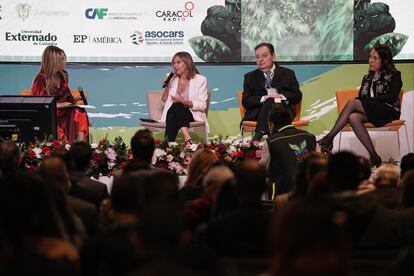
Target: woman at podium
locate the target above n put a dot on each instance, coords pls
(52, 80)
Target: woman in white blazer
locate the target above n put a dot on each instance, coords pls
(184, 98)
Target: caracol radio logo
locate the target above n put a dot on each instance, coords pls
(23, 10)
(137, 38)
(177, 15)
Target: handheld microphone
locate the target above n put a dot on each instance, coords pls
(82, 94)
(165, 83)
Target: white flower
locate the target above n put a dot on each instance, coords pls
(231, 149)
(159, 152)
(172, 144)
(193, 147)
(38, 151)
(176, 167)
(169, 158)
(94, 145)
(111, 164)
(67, 146)
(182, 155)
(111, 154)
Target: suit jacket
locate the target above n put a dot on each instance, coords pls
(97, 188)
(198, 95)
(284, 80)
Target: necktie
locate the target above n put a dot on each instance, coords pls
(268, 79)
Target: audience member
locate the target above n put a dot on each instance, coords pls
(143, 145)
(286, 147)
(9, 158)
(309, 239)
(243, 231)
(53, 170)
(365, 185)
(407, 193)
(387, 191)
(407, 163)
(81, 155)
(201, 162)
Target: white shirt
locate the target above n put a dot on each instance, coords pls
(272, 90)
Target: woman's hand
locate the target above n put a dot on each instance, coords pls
(185, 102)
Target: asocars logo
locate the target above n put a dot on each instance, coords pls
(137, 37)
(158, 37)
(176, 15)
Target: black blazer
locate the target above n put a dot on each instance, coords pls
(284, 80)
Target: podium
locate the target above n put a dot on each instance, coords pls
(27, 118)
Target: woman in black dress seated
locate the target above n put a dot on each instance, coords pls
(376, 103)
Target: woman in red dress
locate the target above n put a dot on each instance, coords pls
(52, 80)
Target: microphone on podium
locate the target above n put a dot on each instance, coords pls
(165, 83)
(82, 94)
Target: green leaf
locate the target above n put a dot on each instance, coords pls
(209, 48)
(395, 41)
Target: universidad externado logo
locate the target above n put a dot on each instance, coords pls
(176, 15)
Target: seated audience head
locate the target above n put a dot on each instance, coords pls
(53, 169)
(310, 239)
(184, 65)
(127, 194)
(143, 145)
(81, 154)
(214, 179)
(343, 171)
(407, 190)
(387, 175)
(265, 56)
(200, 163)
(161, 186)
(9, 157)
(279, 116)
(250, 180)
(314, 163)
(407, 163)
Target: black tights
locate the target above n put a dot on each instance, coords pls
(353, 113)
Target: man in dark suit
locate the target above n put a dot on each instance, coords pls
(266, 85)
(81, 154)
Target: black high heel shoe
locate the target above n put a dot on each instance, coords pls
(325, 146)
(376, 161)
(189, 142)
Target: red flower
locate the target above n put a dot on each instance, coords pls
(56, 144)
(46, 151)
(239, 154)
(102, 142)
(251, 154)
(157, 142)
(99, 158)
(218, 154)
(210, 146)
(122, 165)
(31, 154)
(221, 148)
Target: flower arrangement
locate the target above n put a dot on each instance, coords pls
(108, 156)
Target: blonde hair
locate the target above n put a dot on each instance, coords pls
(387, 174)
(51, 57)
(200, 164)
(188, 60)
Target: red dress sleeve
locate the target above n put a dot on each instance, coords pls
(39, 85)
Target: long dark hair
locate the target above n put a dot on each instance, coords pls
(387, 62)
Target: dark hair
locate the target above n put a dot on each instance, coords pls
(407, 190)
(343, 171)
(280, 116)
(81, 154)
(9, 157)
(387, 62)
(250, 179)
(407, 163)
(265, 44)
(314, 163)
(143, 145)
(365, 167)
